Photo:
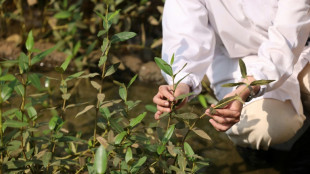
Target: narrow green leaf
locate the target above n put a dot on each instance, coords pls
(172, 59)
(119, 138)
(224, 102)
(113, 15)
(151, 108)
(100, 15)
(242, 68)
(87, 108)
(128, 156)
(181, 69)
(168, 134)
(132, 80)
(39, 57)
(76, 48)
(62, 15)
(232, 84)
(138, 165)
(73, 76)
(122, 93)
(261, 82)
(164, 66)
(105, 45)
(53, 122)
(65, 64)
(101, 160)
(137, 120)
(29, 41)
(187, 116)
(202, 101)
(23, 62)
(102, 32)
(116, 126)
(201, 133)
(188, 149)
(91, 47)
(35, 80)
(86, 76)
(112, 69)
(105, 112)
(176, 85)
(180, 97)
(102, 60)
(19, 90)
(119, 37)
(14, 124)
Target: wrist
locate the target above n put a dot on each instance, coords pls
(247, 92)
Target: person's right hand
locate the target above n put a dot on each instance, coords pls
(164, 97)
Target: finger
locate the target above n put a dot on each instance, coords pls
(219, 127)
(165, 91)
(160, 101)
(157, 115)
(163, 109)
(225, 120)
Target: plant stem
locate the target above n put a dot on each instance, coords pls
(1, 133)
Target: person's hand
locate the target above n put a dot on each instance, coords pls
(164, 98)
(225, 118)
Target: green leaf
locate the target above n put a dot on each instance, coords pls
(181, 97)
(102, 32)
(128, 156)
(242, 68)
(112, 69)
(137, 120)
(100, 15)
(35, 81)
(87, 108)
(88, 76)
(105, 45)
(14, 124)
(6, 93)
(138, 165)
(29, 41)
(7, 77)
(151, 108)
(101, 160)
(65, 64)
(91, 47)
(119, 37)
(47, 158)
(73, 76)
(19, 90)
(119, 138)
(105, 112)
(32, 113)
(176, 85)
(164, 66)
(23, 62)
(76, 48)
(132, 80)
(95, 85)
(201, 133)
(202, 101)
(62, 15)
(39, 57)
(172, 59)
(188, 149)
(116, 126)
(53, 122)
(182, 69)
(233, 84)
(261, 82)
(113, 15)
(187, 116)
(168, 134)
(224, 102)
(123, 93)
(102, 60)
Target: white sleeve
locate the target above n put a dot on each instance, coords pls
(187, 34)
(286, 40)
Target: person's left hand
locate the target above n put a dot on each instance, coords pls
(225, 118)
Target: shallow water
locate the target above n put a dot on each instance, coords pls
(221, 152)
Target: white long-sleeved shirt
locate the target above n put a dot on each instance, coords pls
(211, 35)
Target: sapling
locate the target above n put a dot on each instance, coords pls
(186, 117)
